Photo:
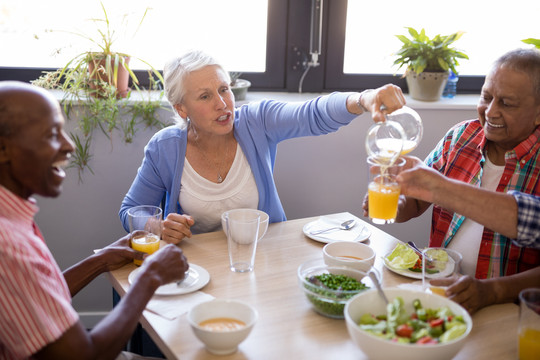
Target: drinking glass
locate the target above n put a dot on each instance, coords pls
(383, 191)
(439, 263)
(145, 229)
(242, 229)
(529, 324)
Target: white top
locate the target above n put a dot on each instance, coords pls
(205, 200)
(469, 235)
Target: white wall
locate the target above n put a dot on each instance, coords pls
(315, 176)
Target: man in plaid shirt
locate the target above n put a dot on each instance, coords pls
(497, 152)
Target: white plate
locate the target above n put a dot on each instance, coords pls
(418, 275)
(197, 278)
(362, 233)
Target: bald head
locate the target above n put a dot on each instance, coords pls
(21, 102)
(34, 148)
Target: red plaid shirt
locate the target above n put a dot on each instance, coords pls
(459, 155)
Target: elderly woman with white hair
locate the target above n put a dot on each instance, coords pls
(218, 157)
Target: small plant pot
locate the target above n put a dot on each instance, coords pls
(240, 89)
(98, 72)
(426, 86)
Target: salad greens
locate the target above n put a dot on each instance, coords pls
(330, 292)
(423, 326)
(402, 257)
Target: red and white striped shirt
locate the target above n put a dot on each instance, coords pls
(35, 303)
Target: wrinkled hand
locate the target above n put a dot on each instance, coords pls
(176, 227)
(418, 180)
(388, 95)
(168, 264)
(119, 254)
(473, 294)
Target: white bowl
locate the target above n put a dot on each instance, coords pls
(263, 220)
(378, 348)
(222, 342)
(352, 254)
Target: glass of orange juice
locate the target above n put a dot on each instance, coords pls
(440, 266)
(529, 324)
(145, 229)
(383, 190)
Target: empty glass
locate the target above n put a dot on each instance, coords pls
(242, 229)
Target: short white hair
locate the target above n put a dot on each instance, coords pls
(176, 70)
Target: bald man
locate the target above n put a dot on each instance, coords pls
(36, 316)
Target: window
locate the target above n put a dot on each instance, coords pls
(489, 30)
(269, 40)
(361, 36)
(47, 38)
(51, 40)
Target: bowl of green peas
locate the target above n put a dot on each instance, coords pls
(328, 288)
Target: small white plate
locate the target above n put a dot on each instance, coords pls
(418, 275)
(358, 233)
(197, 278)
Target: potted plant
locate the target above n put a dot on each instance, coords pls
(103, 66)
(428, 62)
(239, 86)
(95, 93)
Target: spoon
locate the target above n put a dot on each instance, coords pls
(346, 225)
(191, 275)
(375, 281)
(415, 248)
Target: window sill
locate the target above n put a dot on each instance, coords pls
(460, 102)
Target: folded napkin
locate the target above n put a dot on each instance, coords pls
(326, 222)
(172, 306)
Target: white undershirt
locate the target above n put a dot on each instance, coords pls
(205, 200)
(469, 235)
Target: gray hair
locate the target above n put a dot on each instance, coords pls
(175, 72)
(523, 60)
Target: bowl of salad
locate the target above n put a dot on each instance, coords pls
(328, 288)
(415, 325)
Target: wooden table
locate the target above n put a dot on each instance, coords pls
(288, 327)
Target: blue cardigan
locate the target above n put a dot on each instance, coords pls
(258, 128)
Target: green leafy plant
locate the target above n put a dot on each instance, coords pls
(419, 53)
(531, 41)
(103, 65)
(95, 101)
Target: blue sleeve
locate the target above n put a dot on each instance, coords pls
(286, 120)
(528, 226)
(157, 175)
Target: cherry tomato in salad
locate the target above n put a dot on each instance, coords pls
(426, 340)
(404, 330)
(436, 322)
